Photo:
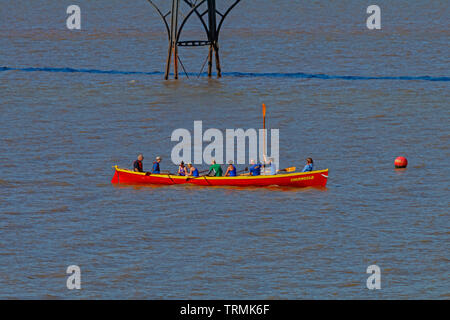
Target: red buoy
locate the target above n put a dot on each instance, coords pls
(400, 163)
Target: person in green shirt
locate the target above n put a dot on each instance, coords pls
(216, 169)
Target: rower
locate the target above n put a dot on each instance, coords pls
(137, 164)
(255, 169)
(182, 171)
(192, 170)
(231, 170)
(215, 168)
(155, 168)
(272, 166)
(309, 165)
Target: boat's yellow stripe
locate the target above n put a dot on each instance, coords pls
(221, 178)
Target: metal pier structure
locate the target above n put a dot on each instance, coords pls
(211, 20)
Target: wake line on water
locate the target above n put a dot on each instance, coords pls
(299, 75)
(71, 70)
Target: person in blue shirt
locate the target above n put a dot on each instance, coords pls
(137, 165)
(155, 168)
(255, 169)
(272, 166)
(231, 170)
(309, 165)
(193, 172)
(269, 167)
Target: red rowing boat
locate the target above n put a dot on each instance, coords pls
(297, 179)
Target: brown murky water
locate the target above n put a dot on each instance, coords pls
(332, 87)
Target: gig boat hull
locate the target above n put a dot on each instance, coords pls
(297, 179)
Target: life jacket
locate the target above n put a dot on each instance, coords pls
(255, 169)
(182, 171)
(195, 173)
(233, 172)
(139, 165)
(156, 167)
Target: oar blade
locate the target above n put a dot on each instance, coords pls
(290, 169)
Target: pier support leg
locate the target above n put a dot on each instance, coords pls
(210, 62)
(219, 69)
(169, 56)
(175, 62)
(173, 36)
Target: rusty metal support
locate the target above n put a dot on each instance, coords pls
(212, 30)
(173, 47)
(218, 68)
(210, 57)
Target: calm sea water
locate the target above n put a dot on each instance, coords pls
(61, 132)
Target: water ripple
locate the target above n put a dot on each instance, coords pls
(295, 75)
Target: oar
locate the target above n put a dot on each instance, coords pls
(164, 172)
(187, 179)
(245, 174)
(246, 169)
(191, 178)
(290, 169)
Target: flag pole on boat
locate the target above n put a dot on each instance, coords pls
(264, 131)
